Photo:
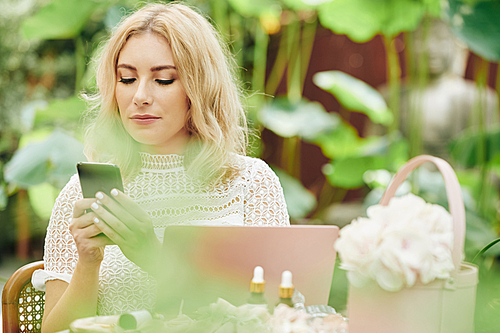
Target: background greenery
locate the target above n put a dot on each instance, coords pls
(46, 53)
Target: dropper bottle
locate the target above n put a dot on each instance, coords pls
(257, 286)
(286, 289)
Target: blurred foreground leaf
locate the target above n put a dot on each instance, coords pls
(299, 201)
(361, 20)
(477, 24)
(355, 95)
(303, 119)
(60, 19)
(53, 160)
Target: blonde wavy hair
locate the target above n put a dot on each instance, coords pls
(216, 120)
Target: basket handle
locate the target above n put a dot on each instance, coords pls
(453, 192)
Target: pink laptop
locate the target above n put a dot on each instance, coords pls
(208, 262)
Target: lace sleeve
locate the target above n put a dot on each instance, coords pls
(264, 200)
(60, 253)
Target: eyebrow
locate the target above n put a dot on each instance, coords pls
(153, 69)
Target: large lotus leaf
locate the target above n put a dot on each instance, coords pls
(388, 152)
(255, 8)
(299, 201)
(355, 95)
(60, 19)
(42, 198)
(61, 110)
(361, 20)
(304, 119)
(53, 160)
(348, 172)
(477, 25)
(341, 142)
(465, 149)
(304, 4)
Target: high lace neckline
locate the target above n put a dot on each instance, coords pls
(161, 162)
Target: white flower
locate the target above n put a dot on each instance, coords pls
(398, 244)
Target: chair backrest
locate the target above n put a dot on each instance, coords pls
(22, 305)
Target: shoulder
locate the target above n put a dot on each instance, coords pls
(71, 191)
(252, 165)
(254, 170)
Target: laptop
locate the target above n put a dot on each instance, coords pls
(204, 263)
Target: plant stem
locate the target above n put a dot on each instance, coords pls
(260, 61)
(394, 80)
(236, 28)
(480, 109)
(279, 64)
(293, 71)
(414, 123)
(80, 62)
(307, 43)
(219, 11)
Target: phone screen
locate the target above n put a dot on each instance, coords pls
(95, 177)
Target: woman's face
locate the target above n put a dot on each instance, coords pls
(151, 99)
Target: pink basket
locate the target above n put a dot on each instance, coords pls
(442, 306)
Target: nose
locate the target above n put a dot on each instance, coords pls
(142, 95)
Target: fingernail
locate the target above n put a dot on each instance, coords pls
(98, 202)
(114, 192)
(99, 195)
(94, 206)
(96, 220)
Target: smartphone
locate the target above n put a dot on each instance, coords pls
(95, 177)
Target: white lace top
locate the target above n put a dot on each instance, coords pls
(169, 196)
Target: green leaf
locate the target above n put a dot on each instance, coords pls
(341, 142)
(465, 149)
(52, 160)
(299, 5)
(477, 25)
(61, 110)
(299, 201)
(355, 95)
(4, 198)
(361, 20)
(304, 119)
(256, 8)
(42, 198)
(348, 172)
(60, 19)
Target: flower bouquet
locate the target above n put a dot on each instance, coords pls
(404, 262)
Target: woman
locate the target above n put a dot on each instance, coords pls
(169, 114)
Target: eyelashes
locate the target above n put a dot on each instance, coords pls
(160, 82)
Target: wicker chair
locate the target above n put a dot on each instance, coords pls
(22, 305)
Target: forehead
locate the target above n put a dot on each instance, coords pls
(146, 49)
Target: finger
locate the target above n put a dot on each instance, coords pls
(82, 222)
(102, 240)
(120, 212)
(115, 229)
(81, 205)
(132, 206)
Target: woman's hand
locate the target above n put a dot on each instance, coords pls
(89, 239)
(128, 226)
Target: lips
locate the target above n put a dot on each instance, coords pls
(144, 119)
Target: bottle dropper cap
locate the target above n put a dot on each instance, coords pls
(257, 284)
(286, 287)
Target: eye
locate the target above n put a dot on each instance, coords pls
(165, 82)
(127, 81)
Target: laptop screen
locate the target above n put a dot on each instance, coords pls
(203, 263)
